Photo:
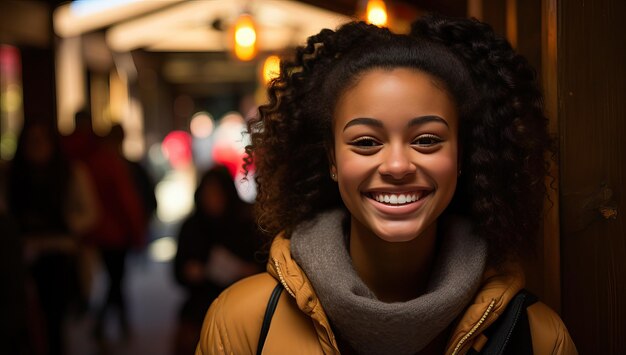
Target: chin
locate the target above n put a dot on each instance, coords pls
(406, 230)
(397, 235)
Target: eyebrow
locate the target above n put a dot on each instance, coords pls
(364, 121)
(377, 123)
(426, 119)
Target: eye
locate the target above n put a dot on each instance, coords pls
(365, 142)
(427, 140)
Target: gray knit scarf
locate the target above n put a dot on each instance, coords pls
(371, 326)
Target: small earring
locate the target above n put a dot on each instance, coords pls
(459, 172)
(333, 176)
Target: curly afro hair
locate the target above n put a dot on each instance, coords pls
(503, 132)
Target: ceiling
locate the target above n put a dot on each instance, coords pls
(190, 41)
(185, 26)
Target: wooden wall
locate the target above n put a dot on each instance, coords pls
(579, 51)
(592, 125)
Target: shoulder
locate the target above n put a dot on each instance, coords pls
(549, 334)
(233, 322)
(249, 296)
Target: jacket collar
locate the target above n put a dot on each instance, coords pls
(287, 271)
(497, 289)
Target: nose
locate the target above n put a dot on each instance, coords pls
(397, 163)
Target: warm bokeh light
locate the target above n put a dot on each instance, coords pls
(174, 194)
(70, 82)
(271, 68)
(11, 98)
(377, 12)
(232, 118)
(201, 125)
(163, 249)
(245, 38)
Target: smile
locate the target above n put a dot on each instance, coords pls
(396, 199)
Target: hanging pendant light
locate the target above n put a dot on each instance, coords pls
(376, 12)
(245, 38)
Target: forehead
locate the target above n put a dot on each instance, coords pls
(374, 78)
(399, 93)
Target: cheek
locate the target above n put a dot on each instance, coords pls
(443, 169)
(353, 168)
(352, 171)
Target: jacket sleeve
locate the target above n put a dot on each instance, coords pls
(211, 340)
(233, 322)
(549, 334)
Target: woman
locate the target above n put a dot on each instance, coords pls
(404, 176)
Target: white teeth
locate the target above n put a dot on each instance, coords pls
(396, 199)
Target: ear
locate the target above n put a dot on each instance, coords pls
(330, 154)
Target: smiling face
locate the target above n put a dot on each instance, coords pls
(395, 154)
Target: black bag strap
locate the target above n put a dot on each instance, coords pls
(510, 334)
(267, 319)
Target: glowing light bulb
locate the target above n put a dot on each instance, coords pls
(376, 12)
(245, 38)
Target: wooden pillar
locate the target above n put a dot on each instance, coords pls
(591, 78)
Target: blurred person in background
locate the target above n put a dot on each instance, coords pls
(216, 247)
(13, 300)
(53, 202)
(122, 222)
(144, 183)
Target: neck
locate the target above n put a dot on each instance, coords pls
(395, 272)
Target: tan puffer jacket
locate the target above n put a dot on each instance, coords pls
(300, 326)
